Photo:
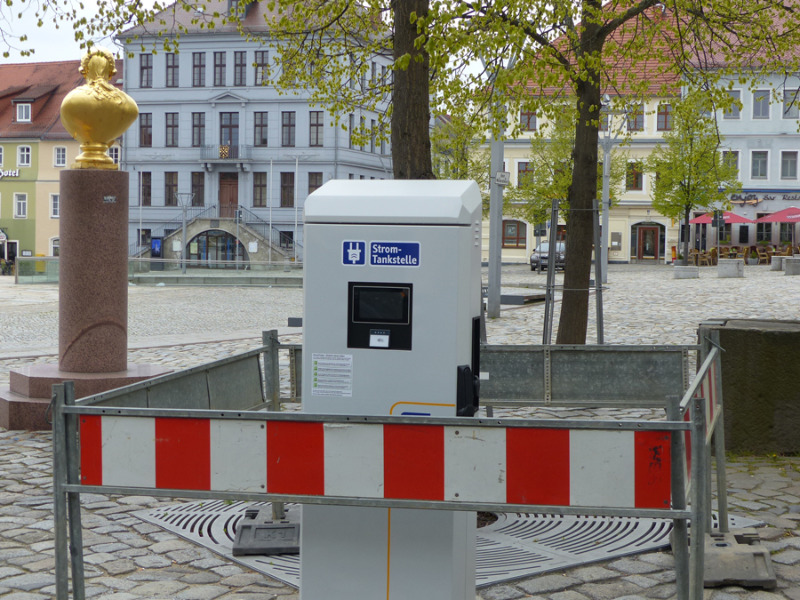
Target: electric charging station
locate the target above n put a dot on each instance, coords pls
(391, 327)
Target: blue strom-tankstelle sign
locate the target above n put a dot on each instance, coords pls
(380, 254)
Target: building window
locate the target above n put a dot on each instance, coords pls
(172, 130)
(239, 68)
(744, 234)
(113, 152)
(763, 230)
(198, 188)
(527, 120)
(316, 128)
(634, 178)
(146, 70)
(146, 184)
(786, 233)
(372, 130)
(287, 128)
(23, 156)
(758, 166)
(55, 208)
(20, 206)
(219, 69)
(171, 188)
(60, 156)
(635, 119)
(287, 190)
(664, 117)
(55, 247)
(198, 69)
(259, 189)
(790, 101)
(23, 113)
(314, 181)
(362, 126)
(789, 165)
(287, 239)
(513, 234)
(731, 158)
(145, 130)
(1, 156)
(198, 129)
(524, 173)
(261, 67)
(351, 130)
(733, 111)
(229, 131)
(761, 104)
(261, 129)
(172, 70)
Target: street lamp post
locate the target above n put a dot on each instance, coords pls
(607, 143)
(184, 199)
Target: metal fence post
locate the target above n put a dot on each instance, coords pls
(680, 527)
(697, 562)
(74, 498)
(272, 375)
(59, 497)
(719, 439)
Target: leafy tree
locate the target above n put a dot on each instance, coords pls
(457, 154)
(571, 49)
(690, 171)
(549, 171)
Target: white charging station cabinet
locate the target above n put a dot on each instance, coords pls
(391, 326)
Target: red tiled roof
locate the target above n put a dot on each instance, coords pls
(43, 85)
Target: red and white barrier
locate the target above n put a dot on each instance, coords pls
(481, 464)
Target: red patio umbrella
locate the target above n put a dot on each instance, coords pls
(787, 215)
(727, 216)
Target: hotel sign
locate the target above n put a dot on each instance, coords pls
(14, 173)
(751, 198)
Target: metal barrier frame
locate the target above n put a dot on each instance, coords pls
(695, 415)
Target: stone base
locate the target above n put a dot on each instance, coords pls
(730, 267)
(687, 272)
(24, 404)
(791, 266)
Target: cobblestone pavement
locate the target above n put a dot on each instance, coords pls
(127, 559)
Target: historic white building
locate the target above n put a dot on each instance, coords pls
(214, 133)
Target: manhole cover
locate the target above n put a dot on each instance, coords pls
(517, 545)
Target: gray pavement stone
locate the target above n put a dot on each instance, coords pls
(29, 581)
(568, 595)
(643, 305)
(203, 592)
(547, 583)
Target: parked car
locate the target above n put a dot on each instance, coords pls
(541, 255)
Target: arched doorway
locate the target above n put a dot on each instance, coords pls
(217, 249)
(647, 241)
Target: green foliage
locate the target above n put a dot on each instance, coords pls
(457, 154)
(691, 171)
(550, 166)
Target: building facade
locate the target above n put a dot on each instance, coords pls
(34, 148)
(760, 136)
(215, 135)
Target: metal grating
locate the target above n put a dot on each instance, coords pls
(516, 546)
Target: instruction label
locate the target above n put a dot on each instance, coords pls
(332, 375)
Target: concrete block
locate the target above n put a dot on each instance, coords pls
(737, 559)
(791, 266)
(687, 272)
(730, 267)
(777, 263)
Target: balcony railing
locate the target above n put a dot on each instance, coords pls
(227, 152)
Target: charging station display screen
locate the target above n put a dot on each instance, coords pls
(381, 304)
(380, 315)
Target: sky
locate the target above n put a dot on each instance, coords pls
(51, 44)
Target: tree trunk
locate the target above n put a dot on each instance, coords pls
(411, 142)
(574, 316)
(686, 215)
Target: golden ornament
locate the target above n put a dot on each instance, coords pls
(97, 113)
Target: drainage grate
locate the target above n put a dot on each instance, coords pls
(517, 545)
